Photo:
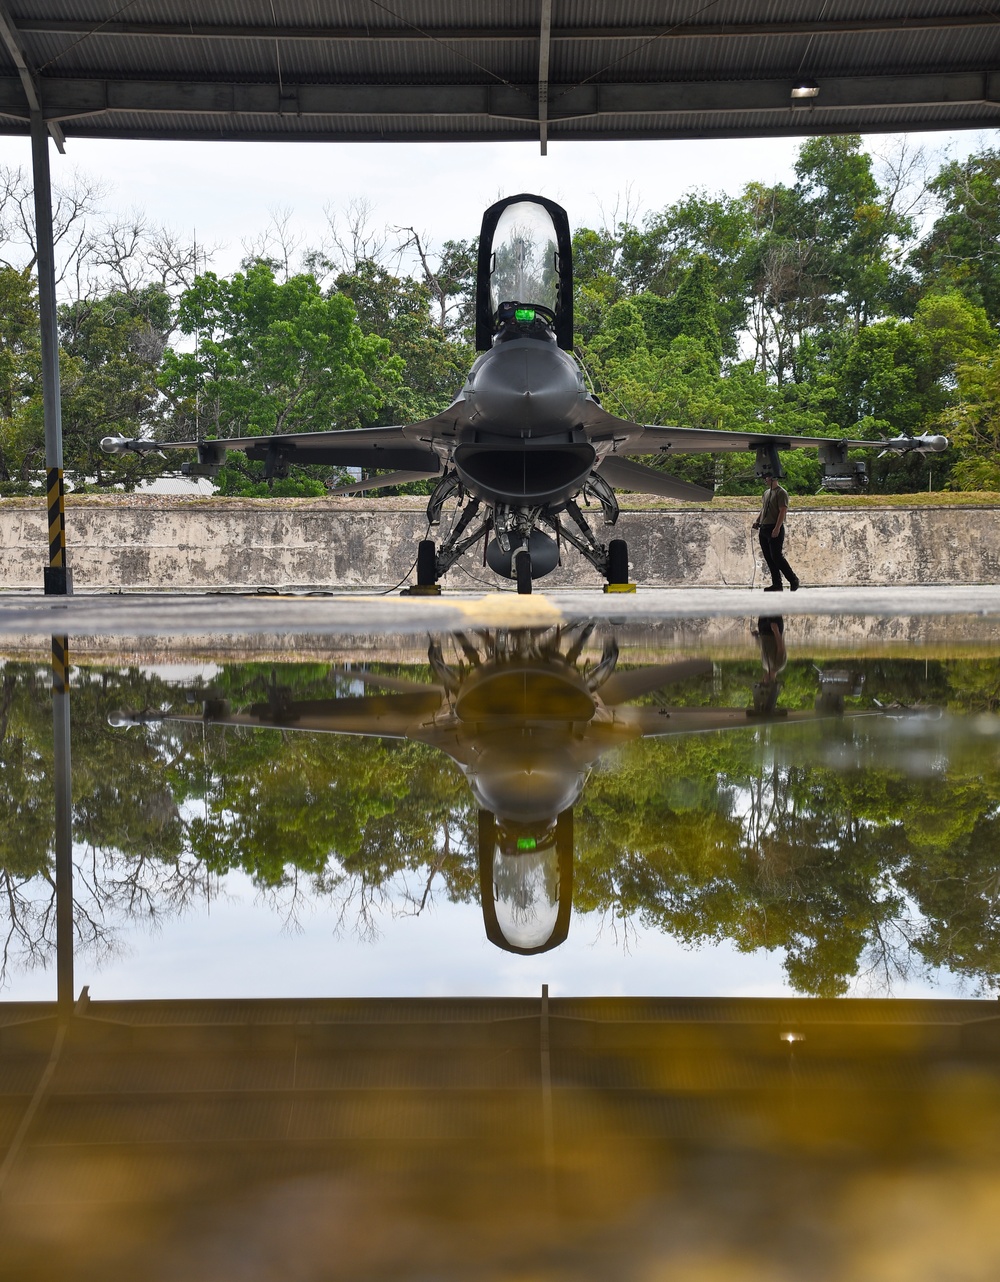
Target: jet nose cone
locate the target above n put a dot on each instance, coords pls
(530, 385)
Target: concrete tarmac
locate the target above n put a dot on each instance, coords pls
(233, 614)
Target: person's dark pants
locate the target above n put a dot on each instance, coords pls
(774, 556)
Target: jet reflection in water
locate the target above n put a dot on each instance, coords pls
(526, 717)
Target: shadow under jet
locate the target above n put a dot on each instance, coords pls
(526, 718)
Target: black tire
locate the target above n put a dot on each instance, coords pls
(426, 563)
(522, 564)
(618, 561)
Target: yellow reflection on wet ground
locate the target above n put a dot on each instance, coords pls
(517, 1139)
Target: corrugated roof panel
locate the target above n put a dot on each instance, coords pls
(629, 12)
(292, 129)
(348, 13)
(305, 1014)
(767, 1010)
(772, 57)
(385, 62)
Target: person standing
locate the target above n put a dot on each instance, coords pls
(771, 524)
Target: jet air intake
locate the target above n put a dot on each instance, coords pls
(524, 477)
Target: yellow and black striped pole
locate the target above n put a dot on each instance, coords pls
(55, 575)
(60, 665)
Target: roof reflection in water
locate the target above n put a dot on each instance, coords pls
(841, 809)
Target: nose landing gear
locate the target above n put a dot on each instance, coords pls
(522, 570)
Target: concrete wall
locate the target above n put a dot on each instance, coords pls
(171, 544)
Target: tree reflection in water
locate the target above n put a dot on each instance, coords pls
(866, 847)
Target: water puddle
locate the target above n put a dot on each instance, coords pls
(505, 954)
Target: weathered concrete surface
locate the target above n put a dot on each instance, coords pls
(183, 546)
(964, 614)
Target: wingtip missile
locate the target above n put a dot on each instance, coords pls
(122, 445)
(915, 445)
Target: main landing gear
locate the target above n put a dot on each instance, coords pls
(426, 564)
(616, 568)
(427, 571)
(514, 545)
(617, 563)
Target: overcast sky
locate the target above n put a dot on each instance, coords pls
(224, 192)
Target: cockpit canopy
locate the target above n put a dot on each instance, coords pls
(526, 882)
(524, 281)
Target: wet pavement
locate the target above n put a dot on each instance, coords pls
(265, 613)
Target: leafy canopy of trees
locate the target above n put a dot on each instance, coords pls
(862, 297)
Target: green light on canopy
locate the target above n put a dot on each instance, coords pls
(527, 843)
(524, 315)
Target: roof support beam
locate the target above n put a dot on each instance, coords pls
(544, 35)
(10, 37)
(378, 35)
(67, 99)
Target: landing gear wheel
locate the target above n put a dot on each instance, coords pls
(426, 563)
(618, 561)
(522, 563)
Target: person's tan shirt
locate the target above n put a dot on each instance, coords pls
(774, 501)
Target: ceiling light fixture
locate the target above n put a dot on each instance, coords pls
(805, 89)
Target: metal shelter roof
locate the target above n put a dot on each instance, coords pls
(454, 70)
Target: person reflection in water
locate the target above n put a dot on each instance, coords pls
(770, 634)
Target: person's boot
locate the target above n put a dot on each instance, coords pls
(793, 583)
(775, 587)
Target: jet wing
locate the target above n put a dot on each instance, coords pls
(640, 438)
(389, 716)
(659, 722)
(631, 683)
(699, 440)
(405, 448)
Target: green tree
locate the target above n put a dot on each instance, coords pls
(433, 363)
(21, 426)
(899, 376)
(271, 357)
(822, 257)
(111, 347)
(690, 312)
(962, 248)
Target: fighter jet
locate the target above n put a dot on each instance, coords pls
(524, 442)
(526, 715)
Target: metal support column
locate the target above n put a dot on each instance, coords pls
(62, 782)
(57, 578)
